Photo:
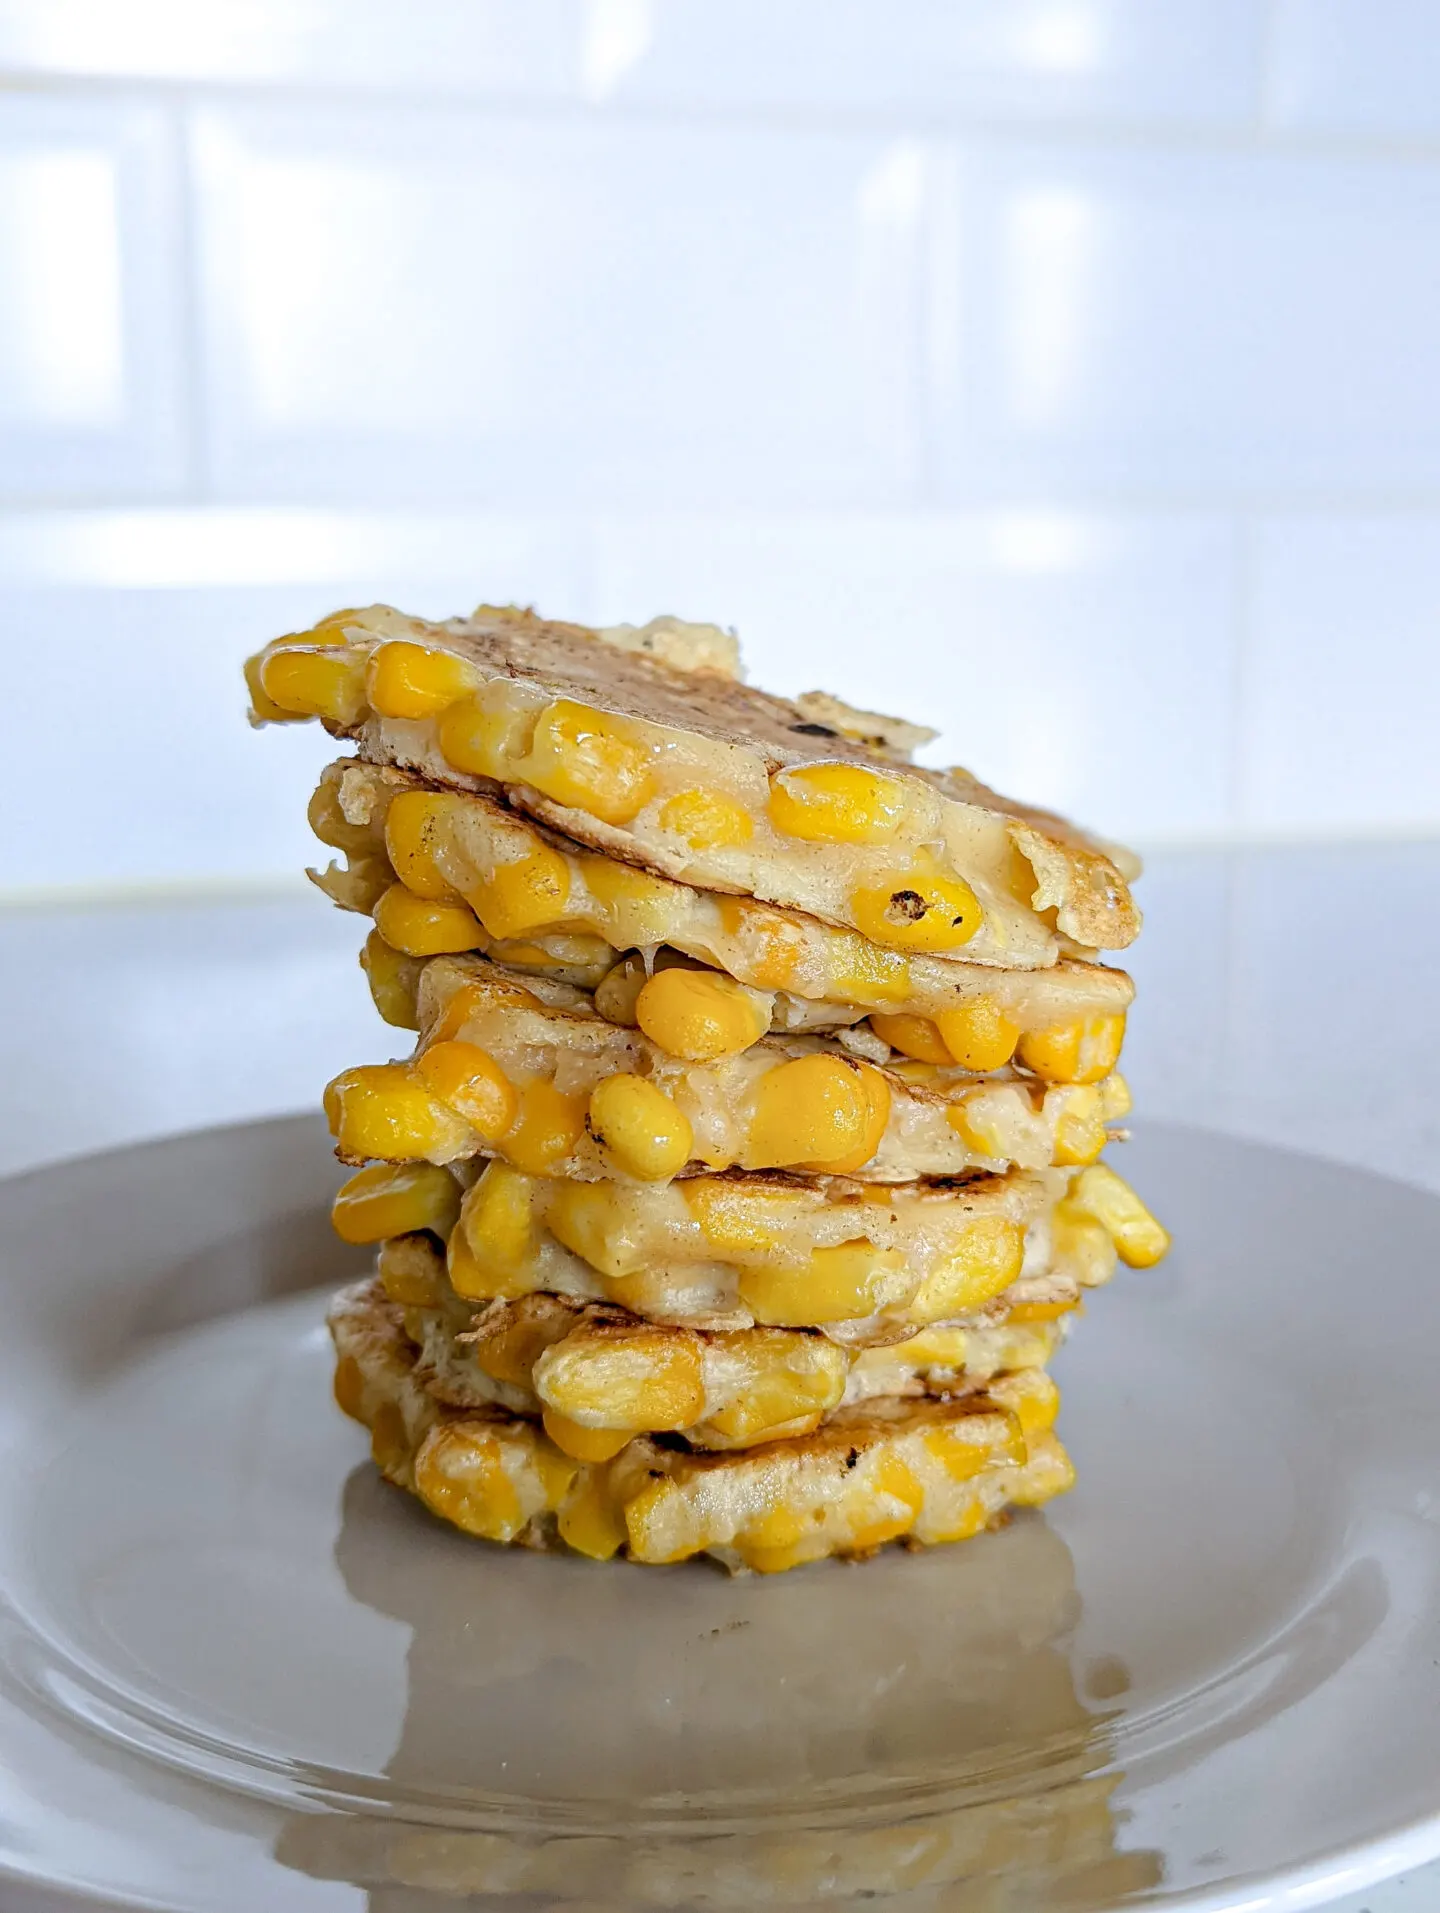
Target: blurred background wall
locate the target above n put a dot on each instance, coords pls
(1060, 371)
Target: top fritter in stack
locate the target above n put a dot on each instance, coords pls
(743, 1179)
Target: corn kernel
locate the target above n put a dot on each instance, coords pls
(705, 820)
(389, 1441)
(589, 1218)
(781, 1560)
(413, 681)
(584, 1444)
(480, 738)
(774, 946)
(987, 1258)
(968, 1521)
(589, 1523)
(331, 825)
(528, 895)
(393, 979)
(1080, 1052)
(978, 1034)
(1079, 1124)
(640, 1129)
(588, 761)
(915, 1036)
(918, 909)
(698, 1014)
(350, 1388)
(1100, 1193)
(395, 1199)
(1082, 1245)
(265, 709)
(891, 1484)
(741, 1223)
(414, 824)
(967, 1446)
(837, 804)
(646, 1379)
(862, 972)
(316, 681)
(618, 989)
(1030, 1395)
(419, 928)
(1026, 1312)
(778, 1527)
(383, 1110)
(979, 1121)
(498, 1229)
(814, 1113)
(510, 1353)
(547, 1129)
(460, 1475)
(638, 908)
(412, 1272)
(557, 1472)
(472, 1083)
(832, 1285)
(784, 1399)
(1115, 1100)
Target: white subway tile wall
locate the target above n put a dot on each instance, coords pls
(1059, 371)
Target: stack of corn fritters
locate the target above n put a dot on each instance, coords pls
(743, 1179)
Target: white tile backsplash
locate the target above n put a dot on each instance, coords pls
(1195, 62)
(1082, 661)
(412, 304)
(92, 354)
(1356, 67)
(1341, 727)
(1178, 323)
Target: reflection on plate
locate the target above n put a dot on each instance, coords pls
(236, 1670)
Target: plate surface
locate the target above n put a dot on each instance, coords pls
(237, 1671)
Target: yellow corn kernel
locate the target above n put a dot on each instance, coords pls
(389, 1441)
(460, 1475)
(394, 1199)
(1079, 1124)
(1115, 1100)
(1082, 1245)
(861, 972)
(784, 1400)
(832, 1285)
(419, 928)
(618, 989)
(698, 1014)
(837, 804)
(412, 1273)
(589, 1218)
(1078, 1052)
(979, 1121)
(332, 826)
(531, 894)
(1138, 1237)
(415, 681)
(742, 1224)
(774, 945)
(648, 1519)
(893, 1499)
(414, 824)
(1026, 1312)
(637, 907)
(316, 681)
(498, 1228)
(649, 1378)
(588, 761)
(350, 1388)
(640, 1129)
(589, 1523)
(571, 956)
(968, 1521)
(816, 1113)
(472, 1000)
(510, 1354)
(918, 909)
(383, 1110)
(547, 1129)
(584, 1444)
(705, 820)
(915, 1036)
(967, 1446)
(780, 1560)
(1030, 1395)
(265, 709)
(472, 1083)
(331, 629)
(557, 1472)
(987, 1258)
(978, 1034)
(877, 1120)
(393, 979)
(479, 738)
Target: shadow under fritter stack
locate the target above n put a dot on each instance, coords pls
(743, 1180)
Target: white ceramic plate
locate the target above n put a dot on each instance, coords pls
(238, 1672)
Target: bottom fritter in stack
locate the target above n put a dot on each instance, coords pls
(707, 1223)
